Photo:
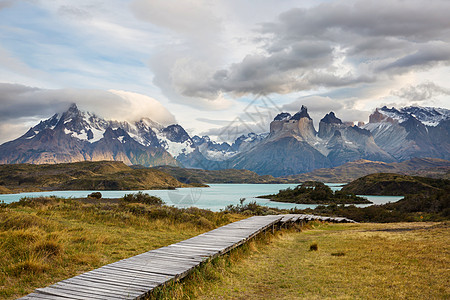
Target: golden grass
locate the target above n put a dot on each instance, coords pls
(46, 242)
(353, 261)
(52, 240)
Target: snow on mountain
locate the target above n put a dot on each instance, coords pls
(223, 151)
(86, 126)
(292, 146)
(212, 150)
(411, 131)
(429, 116)
(175, 148)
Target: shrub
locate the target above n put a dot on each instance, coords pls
(96, 195)
(35, 201)
(205, 223)
(142, 198)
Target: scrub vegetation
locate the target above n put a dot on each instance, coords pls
(48, 239)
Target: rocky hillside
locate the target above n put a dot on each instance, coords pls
(387, 184)
(412, 131)
(294, 146)
(82, 136)
(428, 167)
(102, 175)
(198, 176)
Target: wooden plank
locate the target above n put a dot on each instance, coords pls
(158, 261)
(120, 280)
(200, 247)
(163, 256)
(168, 267)
(113, 281)
(149, 266)
(102, 284)
(71, 289)
(95, 293)
(138, 275)
(177, 253)
(130, 275)
(72, 294)
(36, 296)
(152, 260)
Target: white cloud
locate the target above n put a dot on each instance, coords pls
(18, 102)
(134, 106)
(331, 45)
(203, 59)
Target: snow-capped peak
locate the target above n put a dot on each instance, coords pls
(429, 116)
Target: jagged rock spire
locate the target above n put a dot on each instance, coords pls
(331, 119)
(282, 116)
(303, 113)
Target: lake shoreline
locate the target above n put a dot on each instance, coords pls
(215, 197)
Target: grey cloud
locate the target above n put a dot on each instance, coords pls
(422, 58)
(373, 46)
(314, 103)
(23, 101)
(385, 18)
(280, 72)
(421, 92)
(19, 102)
(319, 106)
(332, 80)
(304, 48)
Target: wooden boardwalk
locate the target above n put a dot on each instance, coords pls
(137, 276)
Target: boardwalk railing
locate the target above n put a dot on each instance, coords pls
(137, 276)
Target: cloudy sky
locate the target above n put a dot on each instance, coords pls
(219, 67)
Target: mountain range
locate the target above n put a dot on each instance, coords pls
(291, 146)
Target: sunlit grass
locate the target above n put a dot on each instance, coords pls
(48, 241)
(353, 261)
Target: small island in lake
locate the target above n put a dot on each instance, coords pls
(315, 192)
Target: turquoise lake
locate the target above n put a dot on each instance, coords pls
(215, 197)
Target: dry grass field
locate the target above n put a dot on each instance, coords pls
(352, 261)
(49, 240)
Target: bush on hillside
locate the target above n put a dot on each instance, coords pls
(143, 198)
